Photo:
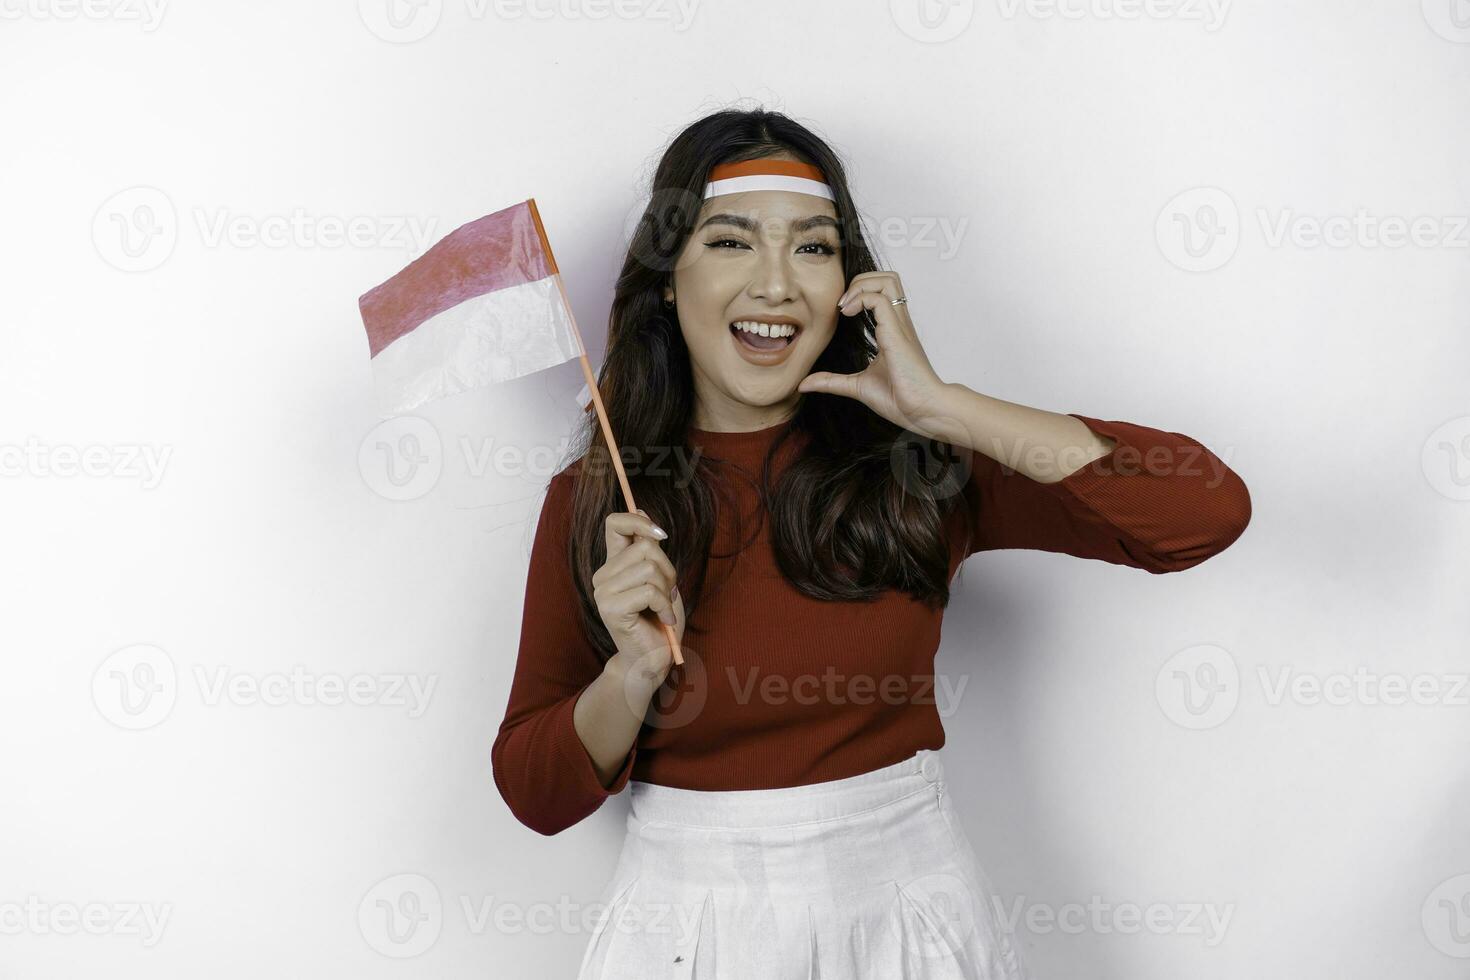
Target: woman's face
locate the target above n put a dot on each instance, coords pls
(764, 256)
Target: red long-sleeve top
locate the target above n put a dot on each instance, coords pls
(796, 690)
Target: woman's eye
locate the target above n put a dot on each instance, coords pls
(822, 247)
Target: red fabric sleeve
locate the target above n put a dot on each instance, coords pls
(1159, 501)
(541, 767)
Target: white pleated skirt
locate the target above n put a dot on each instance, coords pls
(869, 876)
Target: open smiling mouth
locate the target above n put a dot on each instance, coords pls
(778, 336)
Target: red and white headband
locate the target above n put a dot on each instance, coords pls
(767, 175)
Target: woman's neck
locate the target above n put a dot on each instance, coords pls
(742, 418)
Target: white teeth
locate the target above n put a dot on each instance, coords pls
(766, 329)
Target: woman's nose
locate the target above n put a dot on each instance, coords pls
(775, 279)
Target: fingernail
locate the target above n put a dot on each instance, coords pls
(658, 532)
(675, 593)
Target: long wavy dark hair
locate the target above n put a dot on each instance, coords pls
(850, 516)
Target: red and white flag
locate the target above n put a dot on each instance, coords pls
(484, 305)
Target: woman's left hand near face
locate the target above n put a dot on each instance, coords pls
(899, 384)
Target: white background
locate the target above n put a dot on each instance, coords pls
(1055, 143)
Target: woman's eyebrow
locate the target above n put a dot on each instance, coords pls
(749, 224)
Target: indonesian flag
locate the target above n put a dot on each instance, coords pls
(484, 305)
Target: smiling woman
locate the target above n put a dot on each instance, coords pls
(751, 229)
(763, 266)
(790, 806)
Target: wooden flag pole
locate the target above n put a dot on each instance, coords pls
(607, 433)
